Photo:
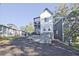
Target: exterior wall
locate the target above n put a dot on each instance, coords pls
(10, 32)
(46, 26)
(37, 25)
(58, 30)
(46, 22)
(7, 31)
(1, 31)
(20, 32)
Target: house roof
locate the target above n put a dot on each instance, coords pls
(48, 11)
(7, 27)
(36, 17)
(60, 18)
(43, 11)
(11, 28)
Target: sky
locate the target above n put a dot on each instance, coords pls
(22, 14)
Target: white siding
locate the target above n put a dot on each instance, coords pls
(45, 14)
(46, 25)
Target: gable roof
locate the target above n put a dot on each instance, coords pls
(36, 17)
(48, 11)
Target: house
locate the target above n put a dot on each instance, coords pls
(49, 23)
(43, 24)
(6, 31)
(59, 28)
(16, 31)
(12, 26)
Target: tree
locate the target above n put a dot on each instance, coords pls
(73, 28)
(75, 6)
(29, 28)
(73, 19)
(62, 10)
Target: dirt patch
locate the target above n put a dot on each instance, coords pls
(5, 42)
(31, 51)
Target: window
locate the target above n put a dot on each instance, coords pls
(4, 29)
(39, 26)
(49, 29)
(44, 29)
(34, 22)
(56, 31)
(0, 28)
(46, 19)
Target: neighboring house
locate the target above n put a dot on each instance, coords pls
(15, 30)
(9, 31)
(12, 26)
(2, 31)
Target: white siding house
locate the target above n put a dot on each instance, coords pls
(6, 31)
(44, 25)
(46, 21)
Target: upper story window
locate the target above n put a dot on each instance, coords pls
(46, 20)
(44, 29)
(49, 29)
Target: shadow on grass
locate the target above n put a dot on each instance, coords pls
(31, 48)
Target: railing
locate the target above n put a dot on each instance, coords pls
(36, 22)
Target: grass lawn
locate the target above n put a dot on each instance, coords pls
(75, 46)
(6, 40)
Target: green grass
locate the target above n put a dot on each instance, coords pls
(7, 38)
(75, 46)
